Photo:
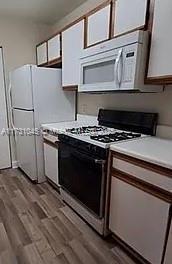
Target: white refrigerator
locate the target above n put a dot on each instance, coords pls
(37, 97)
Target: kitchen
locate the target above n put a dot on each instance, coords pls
(91, 175)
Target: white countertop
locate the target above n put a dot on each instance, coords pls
(62, 126)
(151, 149)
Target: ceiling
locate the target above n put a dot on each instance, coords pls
(44, 11)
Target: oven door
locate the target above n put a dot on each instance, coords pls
(82, 177)
(101, 72)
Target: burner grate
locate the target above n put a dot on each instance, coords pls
(86, 130)
(115, 137)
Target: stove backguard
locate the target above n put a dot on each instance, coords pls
(139, 122)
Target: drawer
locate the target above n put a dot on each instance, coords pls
(51, 163)
(145, 174)
(51, 138)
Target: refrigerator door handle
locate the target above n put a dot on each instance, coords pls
(10, 104)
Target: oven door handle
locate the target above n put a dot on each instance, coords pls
(101, 162)
(85, 157)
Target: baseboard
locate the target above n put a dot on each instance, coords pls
(15, 164)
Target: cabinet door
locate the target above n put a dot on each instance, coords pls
(139, 219)
(54, 48)
(42, 54)
(72, 45)
(51, 163)
(168, 255)
(98, 28)
(129, 15)
(160, 53)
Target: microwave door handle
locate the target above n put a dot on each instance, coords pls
(117, 79)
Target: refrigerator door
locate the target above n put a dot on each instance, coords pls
(21, 88)
(25, 144)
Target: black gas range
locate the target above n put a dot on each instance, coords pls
(103, 134)
(83, 155)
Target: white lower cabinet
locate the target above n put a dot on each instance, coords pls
(139, 219)
(168, 255)
(51, 163)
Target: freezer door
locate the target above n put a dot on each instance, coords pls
(25, 144)
(51, 103)
(21, 88)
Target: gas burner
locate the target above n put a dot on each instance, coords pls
(115, 137)
(86, 130)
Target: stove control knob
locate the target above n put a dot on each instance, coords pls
(94, 149)
(89, 147)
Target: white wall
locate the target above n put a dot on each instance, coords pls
(89, 104)
(159, 102)
(19, 39)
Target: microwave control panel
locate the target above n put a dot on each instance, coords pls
(129, 62)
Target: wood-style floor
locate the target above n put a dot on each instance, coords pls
(36, 227)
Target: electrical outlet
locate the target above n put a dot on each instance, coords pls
(84, 108)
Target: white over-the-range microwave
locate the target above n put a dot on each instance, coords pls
(116, 65)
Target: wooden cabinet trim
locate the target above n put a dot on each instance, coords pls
(55, 61)
(99, 7)
(130, 251)
(42, 65)
(142, 185)
(130, 31)
(167, 234)
(85, 32)
(158, 80)
(150, 14)
(105, 4)
(42, 42)
(143, 164)
(54, 145)
(70, 88)
(112, 19)
(162, 80)
(142, 27)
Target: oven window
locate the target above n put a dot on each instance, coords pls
(99, 73)
(80, 176)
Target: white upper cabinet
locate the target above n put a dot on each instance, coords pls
(168, 255)
(98, 27)
(42, 54)
(129, 15)
(72, 45)
(54, 48)
(160, 62)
